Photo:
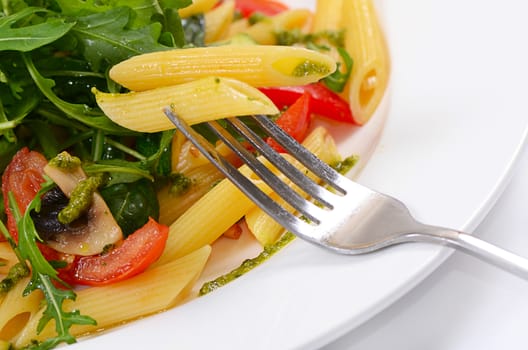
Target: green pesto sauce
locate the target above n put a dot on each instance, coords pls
(342, 167)
(308, 67)
(319, 40)
(64, 160)
(346, 164)
(15, 274)
(179, 184)
(80, 199)
(247, 265)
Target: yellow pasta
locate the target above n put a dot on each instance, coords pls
(365, 44)
(204, 222)
(265, 229)
(264, 31)
(218, 20)
(185, 156)
(142, 295)
(172, 206)
(257, 65)
(197, 101)
(327, 15)
(197, 7)
(16, 309)
(202, 84)
(7, 257)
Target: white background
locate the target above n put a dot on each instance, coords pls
(464, 304)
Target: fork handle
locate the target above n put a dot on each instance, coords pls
(479, 248)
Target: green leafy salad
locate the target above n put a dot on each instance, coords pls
(80, 194)
(51, 54)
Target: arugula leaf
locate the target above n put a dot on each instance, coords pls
(106, 38)
(82, 113)
(121, 171)
(144, 9)
(43, 274)
(28, 38)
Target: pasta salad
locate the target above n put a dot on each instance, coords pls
(102, 200)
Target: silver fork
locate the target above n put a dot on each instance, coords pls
(342, 216)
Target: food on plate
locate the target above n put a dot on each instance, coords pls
(103, 202)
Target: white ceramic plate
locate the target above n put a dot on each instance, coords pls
(457, 118)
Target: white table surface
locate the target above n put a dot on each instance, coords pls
(464, 304)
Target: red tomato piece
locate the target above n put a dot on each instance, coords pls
(23, 177)
(295, 120)
(137, 252)
(265, 7)
(326, 103)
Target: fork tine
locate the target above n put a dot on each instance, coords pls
(315, 191)
(308, 159)
(305, 207)
(265, 202)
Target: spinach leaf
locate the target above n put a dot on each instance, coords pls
(156, 147)
(132, 204)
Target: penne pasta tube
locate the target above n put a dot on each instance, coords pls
(197, 101)
(365, 44)
(264, 31)
(265, 229)
(16, 309)
(209, 217)
(186, 157)
(327, 16)
(256, 65)
(7, 258)
(238, 27)
(197, 7)
(218, 20)
(173, 205)
(153, 291)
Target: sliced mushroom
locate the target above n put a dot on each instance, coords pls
(90, 234)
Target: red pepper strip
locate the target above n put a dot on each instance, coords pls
(137, 252)
(295, 120)
(326, 103)
(265, 7)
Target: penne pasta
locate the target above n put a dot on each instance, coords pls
(16, 309)
(197, 101)
(327, 15)
(218, 20)
(264, 32)
(173, 205)
(197, 7)
(256, 65)
(7, 258)
(265, 229)
(186, 157)
(365, 43)
(139, 296)
(203, 222)
(199, 84)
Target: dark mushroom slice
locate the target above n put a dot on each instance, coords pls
(46, 220)
(91, 232)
